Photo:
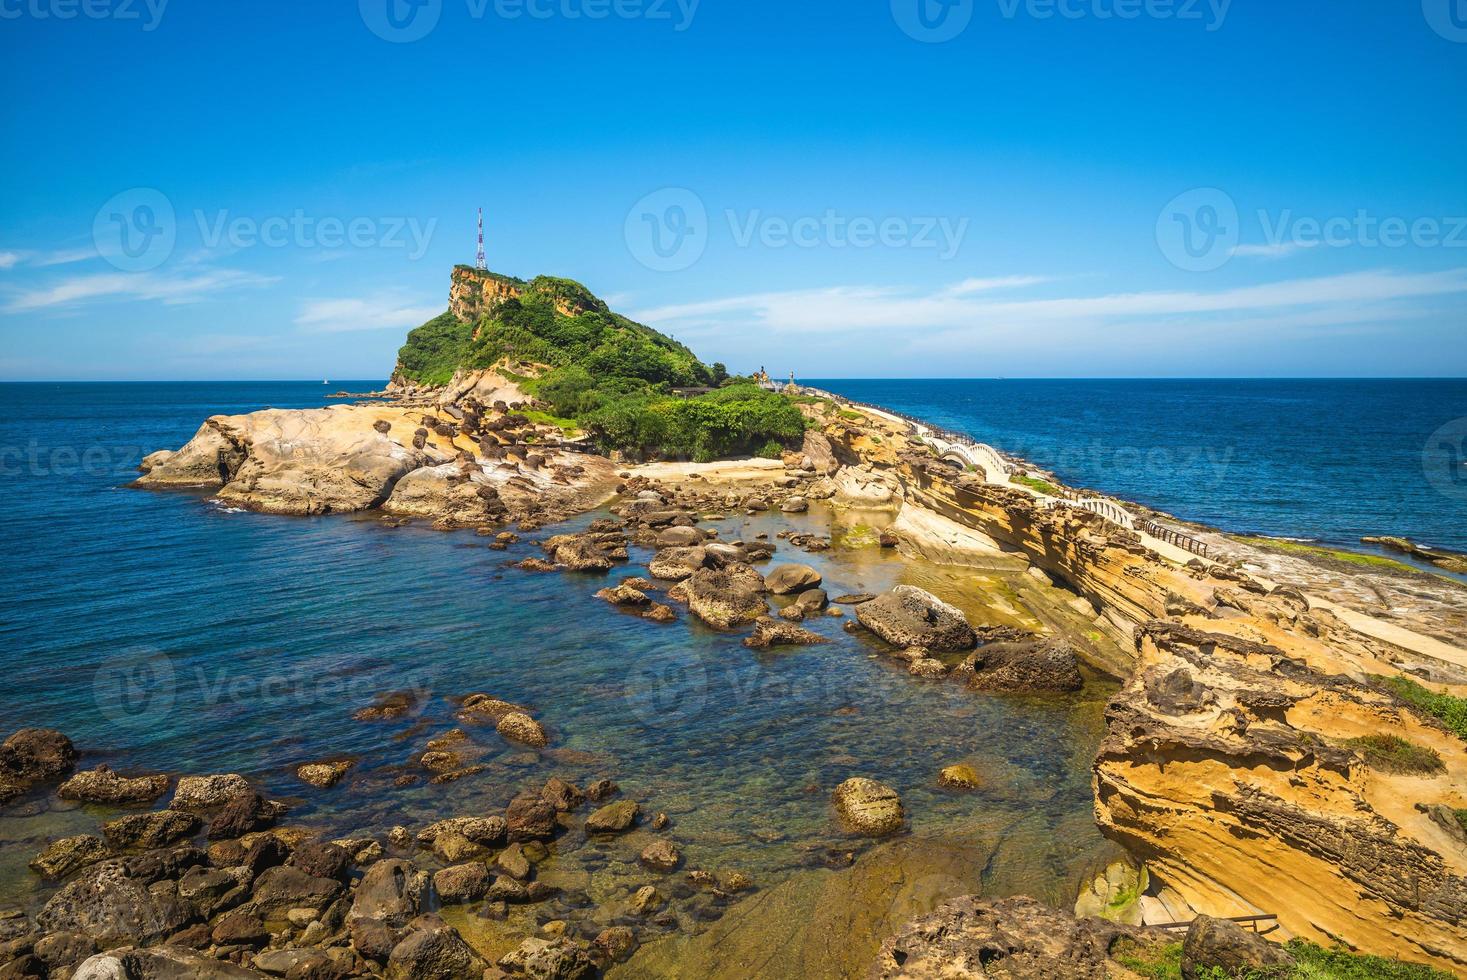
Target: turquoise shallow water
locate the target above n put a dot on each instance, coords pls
(163, 631)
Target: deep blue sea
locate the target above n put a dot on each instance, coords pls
(1328, 460)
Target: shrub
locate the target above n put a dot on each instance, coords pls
(1391, 753)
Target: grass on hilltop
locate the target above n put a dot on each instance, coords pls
(1446, 708)
(1312, 962)
(609, 376)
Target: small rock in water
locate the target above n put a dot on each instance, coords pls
(614, 817)
(520, 727)
(322, 775)
(102, 785)
(959, 776)
(661, 855)
(868, 808)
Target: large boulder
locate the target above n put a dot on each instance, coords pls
(33, 756)
(392, 891)
(311, 461)
(62, 857)
(726, 597)
(868, 808)
(102, 785)
(908, 616)
(450, 492)
(676, 564)
(530, 817)
(280, 889)
(113, 906)
(1217, 946)
(196, 793)
(1044, 665)
(970, 938)
(788, 579)
(148, 830)
(433, 952)
(679, 537)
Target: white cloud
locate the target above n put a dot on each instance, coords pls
(378, 313)
(1277, 250)
(969, 286)
(9, 259)
(168, 289)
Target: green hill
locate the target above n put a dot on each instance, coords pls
(613, 377)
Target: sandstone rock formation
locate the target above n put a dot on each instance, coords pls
(910, 617)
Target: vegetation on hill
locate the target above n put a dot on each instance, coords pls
(612, 376)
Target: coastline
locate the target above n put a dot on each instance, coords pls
(1151, 611)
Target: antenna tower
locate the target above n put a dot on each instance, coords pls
(479, 262)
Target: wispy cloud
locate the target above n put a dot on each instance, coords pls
(166, 288)
(9, 259)
(1276, 250)
(950, 312)
(377, 313)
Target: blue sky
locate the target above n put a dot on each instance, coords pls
(1062, 188)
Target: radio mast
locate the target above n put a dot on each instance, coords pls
(479, 263)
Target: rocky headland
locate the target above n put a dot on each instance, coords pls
(1274, 749)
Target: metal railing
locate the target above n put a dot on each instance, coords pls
(1174, 537)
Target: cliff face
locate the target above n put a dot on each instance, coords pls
(473, 293)
(1226, 769)
(1229, 765)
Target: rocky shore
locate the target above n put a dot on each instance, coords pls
(1243, 765)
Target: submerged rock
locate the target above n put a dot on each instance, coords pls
(1045, 665)
(62, 857)
(772, 633)
(911, 617)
